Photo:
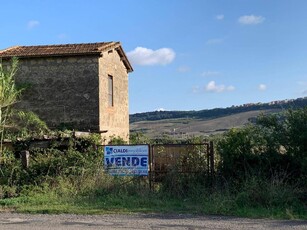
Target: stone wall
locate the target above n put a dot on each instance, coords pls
(115, 119)
(61, 90)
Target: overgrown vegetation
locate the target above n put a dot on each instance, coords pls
(264, 165)
(8, 95)
(25, 125)
(260, 172)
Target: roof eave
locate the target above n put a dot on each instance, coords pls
(51, 55)
(124, 59)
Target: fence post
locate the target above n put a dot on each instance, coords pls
(208, 159)
(211, 161)
(211, 158)
(25, 158)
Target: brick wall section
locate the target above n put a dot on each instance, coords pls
(113, 119)
(61, 90)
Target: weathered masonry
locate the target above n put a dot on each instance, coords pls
(81, 86)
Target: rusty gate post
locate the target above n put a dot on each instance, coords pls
(150, 167)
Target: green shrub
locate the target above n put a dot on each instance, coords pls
(276, 144)
(117, 140)
(26, 124)
(59, 168)
(8, 191)
(257, 192)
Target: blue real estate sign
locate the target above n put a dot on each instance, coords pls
(126, 160)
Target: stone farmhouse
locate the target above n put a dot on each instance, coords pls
(80, 86)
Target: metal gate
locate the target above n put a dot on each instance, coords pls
(180, 159)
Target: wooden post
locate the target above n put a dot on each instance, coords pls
(211, 159)
(208, 158)
(25, 158)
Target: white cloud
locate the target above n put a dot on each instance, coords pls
(33, 23)
(195, 89)
(213, 87)
(220, 17)
(251, 20)
(160, 109)
(145, 56)
(304, 92)
(210, 73)
(230, 88)
(183, 69)
(214, 41)
(262, 87)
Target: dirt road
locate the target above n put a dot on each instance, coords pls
(12, 221)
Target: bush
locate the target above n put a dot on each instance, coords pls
(258, 192)
(288, 133)
(275, 145)
(25, 125)
(53, 166)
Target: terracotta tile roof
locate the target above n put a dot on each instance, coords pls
(64, 50)
(55, 50)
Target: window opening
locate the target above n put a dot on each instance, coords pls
(110, 91)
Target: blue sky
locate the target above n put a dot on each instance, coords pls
(186, 54)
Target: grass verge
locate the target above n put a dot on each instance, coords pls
(51, 203)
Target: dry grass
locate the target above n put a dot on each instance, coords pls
(184, 127)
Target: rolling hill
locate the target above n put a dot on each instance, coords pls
(205, 122)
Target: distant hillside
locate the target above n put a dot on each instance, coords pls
(181, 124)
(183, 127)
(218, 112)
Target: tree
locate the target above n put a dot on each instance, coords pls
(8, 93)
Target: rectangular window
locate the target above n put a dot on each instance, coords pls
(110, 91)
